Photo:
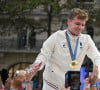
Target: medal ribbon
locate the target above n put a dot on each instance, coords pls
(73, 55)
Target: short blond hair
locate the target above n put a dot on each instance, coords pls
(81, 14)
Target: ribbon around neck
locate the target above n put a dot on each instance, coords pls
(72, 54)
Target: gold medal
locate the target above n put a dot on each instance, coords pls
(73, 64)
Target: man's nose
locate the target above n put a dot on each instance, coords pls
(81, 27)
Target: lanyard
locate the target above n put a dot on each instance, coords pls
(72, 54)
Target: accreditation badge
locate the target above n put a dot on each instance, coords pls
(73, 64)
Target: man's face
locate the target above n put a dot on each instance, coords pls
(76, 26)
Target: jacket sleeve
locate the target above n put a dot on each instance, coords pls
(46, 50)
(93, 53)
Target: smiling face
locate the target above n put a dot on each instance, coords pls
(76, 25)
(19, 78)
(77, 20)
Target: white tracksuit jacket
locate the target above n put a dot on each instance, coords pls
(56, 57)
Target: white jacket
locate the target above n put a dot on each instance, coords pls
(56, 57)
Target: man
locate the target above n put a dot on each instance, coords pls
(65, 50)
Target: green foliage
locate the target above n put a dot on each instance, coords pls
(21, 5)
(16, 6)
(71, 4)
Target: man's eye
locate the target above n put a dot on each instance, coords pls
(80, 24)
(77, 24)
(83, 25)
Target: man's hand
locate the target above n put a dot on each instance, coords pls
(35, 68)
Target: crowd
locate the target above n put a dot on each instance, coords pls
(23, 76)
(19, 78)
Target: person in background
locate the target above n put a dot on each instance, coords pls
(24, 76)
(5, 79)
(90, 31)
(4, 75)
(8, 83)
(1, 84)
(90, 81)
(35, 83)
(17, 80)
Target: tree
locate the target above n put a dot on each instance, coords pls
(16, 9)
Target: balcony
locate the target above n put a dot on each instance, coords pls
(12, 45)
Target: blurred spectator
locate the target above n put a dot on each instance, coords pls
(17, 80)
(4, 75)
(5, 80)
(83, 74)
(26, 75)
(1, 84)
(32, 39)
(90, 31)
(8, 83)
(21, 39)
(35, 83)
(90, 81)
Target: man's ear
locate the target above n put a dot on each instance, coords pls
(68, 21)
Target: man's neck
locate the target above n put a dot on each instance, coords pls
(72, 33)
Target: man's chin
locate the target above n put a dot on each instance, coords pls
(77, 34)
